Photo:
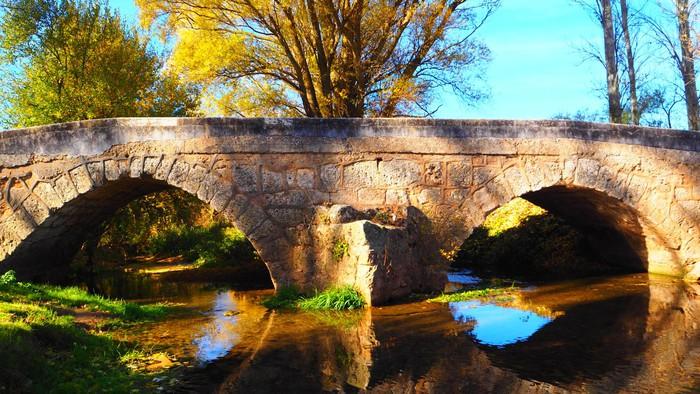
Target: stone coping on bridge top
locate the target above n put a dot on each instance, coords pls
(93, 136)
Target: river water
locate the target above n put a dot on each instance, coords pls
(634, 333)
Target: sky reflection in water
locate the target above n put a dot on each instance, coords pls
(498, 325)
(219, 336)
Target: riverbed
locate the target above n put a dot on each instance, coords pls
(632, 333)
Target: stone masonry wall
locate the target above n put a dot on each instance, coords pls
(272, 178)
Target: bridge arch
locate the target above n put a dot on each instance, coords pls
(50, 213)
(601, 199)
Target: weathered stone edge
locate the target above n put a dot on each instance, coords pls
(84, 137)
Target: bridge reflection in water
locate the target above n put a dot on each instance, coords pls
(630, 333)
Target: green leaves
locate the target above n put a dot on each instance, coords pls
(74, 60)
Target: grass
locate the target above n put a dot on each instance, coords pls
(334, 299)
(44, 350)
(474, 294)
(74, 297)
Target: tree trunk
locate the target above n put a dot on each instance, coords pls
(614, 106)
(631, 71)
(687, 64)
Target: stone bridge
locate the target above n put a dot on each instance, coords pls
(375, 203)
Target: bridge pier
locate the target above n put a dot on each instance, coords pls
(384, 255)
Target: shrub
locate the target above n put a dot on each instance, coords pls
(8, 278)
(216, 245)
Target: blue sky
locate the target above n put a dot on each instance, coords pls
(535, 72)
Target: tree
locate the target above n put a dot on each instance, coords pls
(629, 56)
(680, 48)
(73, 59)
(326, 58)
(687, 64)
(603, 13)
(610, 45)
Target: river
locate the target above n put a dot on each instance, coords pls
(633, 333)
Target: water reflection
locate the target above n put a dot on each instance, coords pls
(220, 334)
(627, 334)
(497, 325)
(457, 280)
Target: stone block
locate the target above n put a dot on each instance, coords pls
(208, 188)
(371, 196)
(112, 170)
(272, 181)
(330, 177)
(291, 198)
(48, 195)
(485, 200)
(484, 174)
(178, 174)
(399, 173)
(235, 207)
(21, 223)
(288, 217)
(434, 174)
(245, 177)
(164, 168)
(150, 165)
(81, 179)
(265, 230)
(195, 178)
(430, 196)
(305, 178)
(222, 196)
(587, 173)
(397, 197)
(136, 167)
(250, 219)
(517, 181)
(96, 170)
(36, 209)
(459, 174)
(568, 170)
(457, 196)
(64, 187)
(360, 174)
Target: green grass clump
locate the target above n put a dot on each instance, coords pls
(44, 350)
(214, 246)
(474, 294)
(336, 298)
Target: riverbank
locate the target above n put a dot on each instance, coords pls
(62, 339)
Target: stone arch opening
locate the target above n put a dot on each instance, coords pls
(613, 230)
(46, 251)
(604, 234)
